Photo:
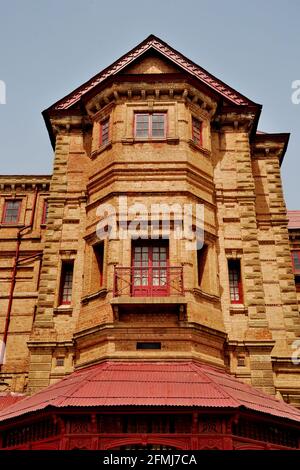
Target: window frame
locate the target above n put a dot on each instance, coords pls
(63, 273)
(149, 135)
(202, 259)
(200, 141)
(236, 261)
(5, 208)
(103, 122)
(45, 212)
(98, 253)
(151, 269)
(296, 270)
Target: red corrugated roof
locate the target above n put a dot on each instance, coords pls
(151, 384)
(7, 399)
(294, 219)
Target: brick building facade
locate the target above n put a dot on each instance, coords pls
(156, 128)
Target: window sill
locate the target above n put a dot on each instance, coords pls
(101, 149)
(87, 298)
(205, 295)
(63, 310)
(238, 308)
(142, 140)
(13, 225)
(199, 148)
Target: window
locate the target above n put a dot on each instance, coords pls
(148, 345)
(99, 258)
(241, 360)
(201, 261)
(150, 273)
(11, 212)
(104, 132)
(60, 361)
(151, 125)
(66, 282)
(235, 282)
(297, 282)
(45, 213)
(296, 261)
(196, 131)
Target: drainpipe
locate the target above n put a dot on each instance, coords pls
(13, 279)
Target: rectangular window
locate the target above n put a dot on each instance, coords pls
(297, 282)
(296, 261)
(45, 213)
(150, 269)
(235, 281)
(66, 282)
(148, 345)
(60, 361)
(196, 131)
(201, 261)
(150, 125)
(11, 212)
(99, 258)
(104, 132)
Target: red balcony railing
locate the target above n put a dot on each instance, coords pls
(148, 281)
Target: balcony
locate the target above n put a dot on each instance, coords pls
(144, 290)
(147, 281)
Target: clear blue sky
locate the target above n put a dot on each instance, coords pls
(49, 47)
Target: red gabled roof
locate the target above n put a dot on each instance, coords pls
(174, 384)
(294, 219)
(7, 399)
(153, 42)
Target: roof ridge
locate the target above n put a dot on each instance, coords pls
(212, 382)
(170, 53)
(79, 384)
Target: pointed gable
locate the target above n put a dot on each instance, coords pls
(132, 61)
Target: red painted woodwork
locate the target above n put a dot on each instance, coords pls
(66, 283)
(104, 132)
(74, 429)
(196, 131)
(11, 212)
(150, 271)
(150, 125)
(296, 261)
(45, 212)
(235, 281)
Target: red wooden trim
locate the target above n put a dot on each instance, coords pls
(44, 213)
(5, 210)
(235, 264)
(150, 124)
(102, 123)
(150, 289)
(295, 269)
(62, 281)
(197, 140)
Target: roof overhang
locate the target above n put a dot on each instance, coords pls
(74, 101)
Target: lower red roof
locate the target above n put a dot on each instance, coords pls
(294, 219)
(174, 384)
(8, 399)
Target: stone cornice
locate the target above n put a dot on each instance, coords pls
(149, 93)
(25, 182)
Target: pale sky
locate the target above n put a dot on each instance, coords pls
(49, 47)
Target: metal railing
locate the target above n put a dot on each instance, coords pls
(148, 281)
